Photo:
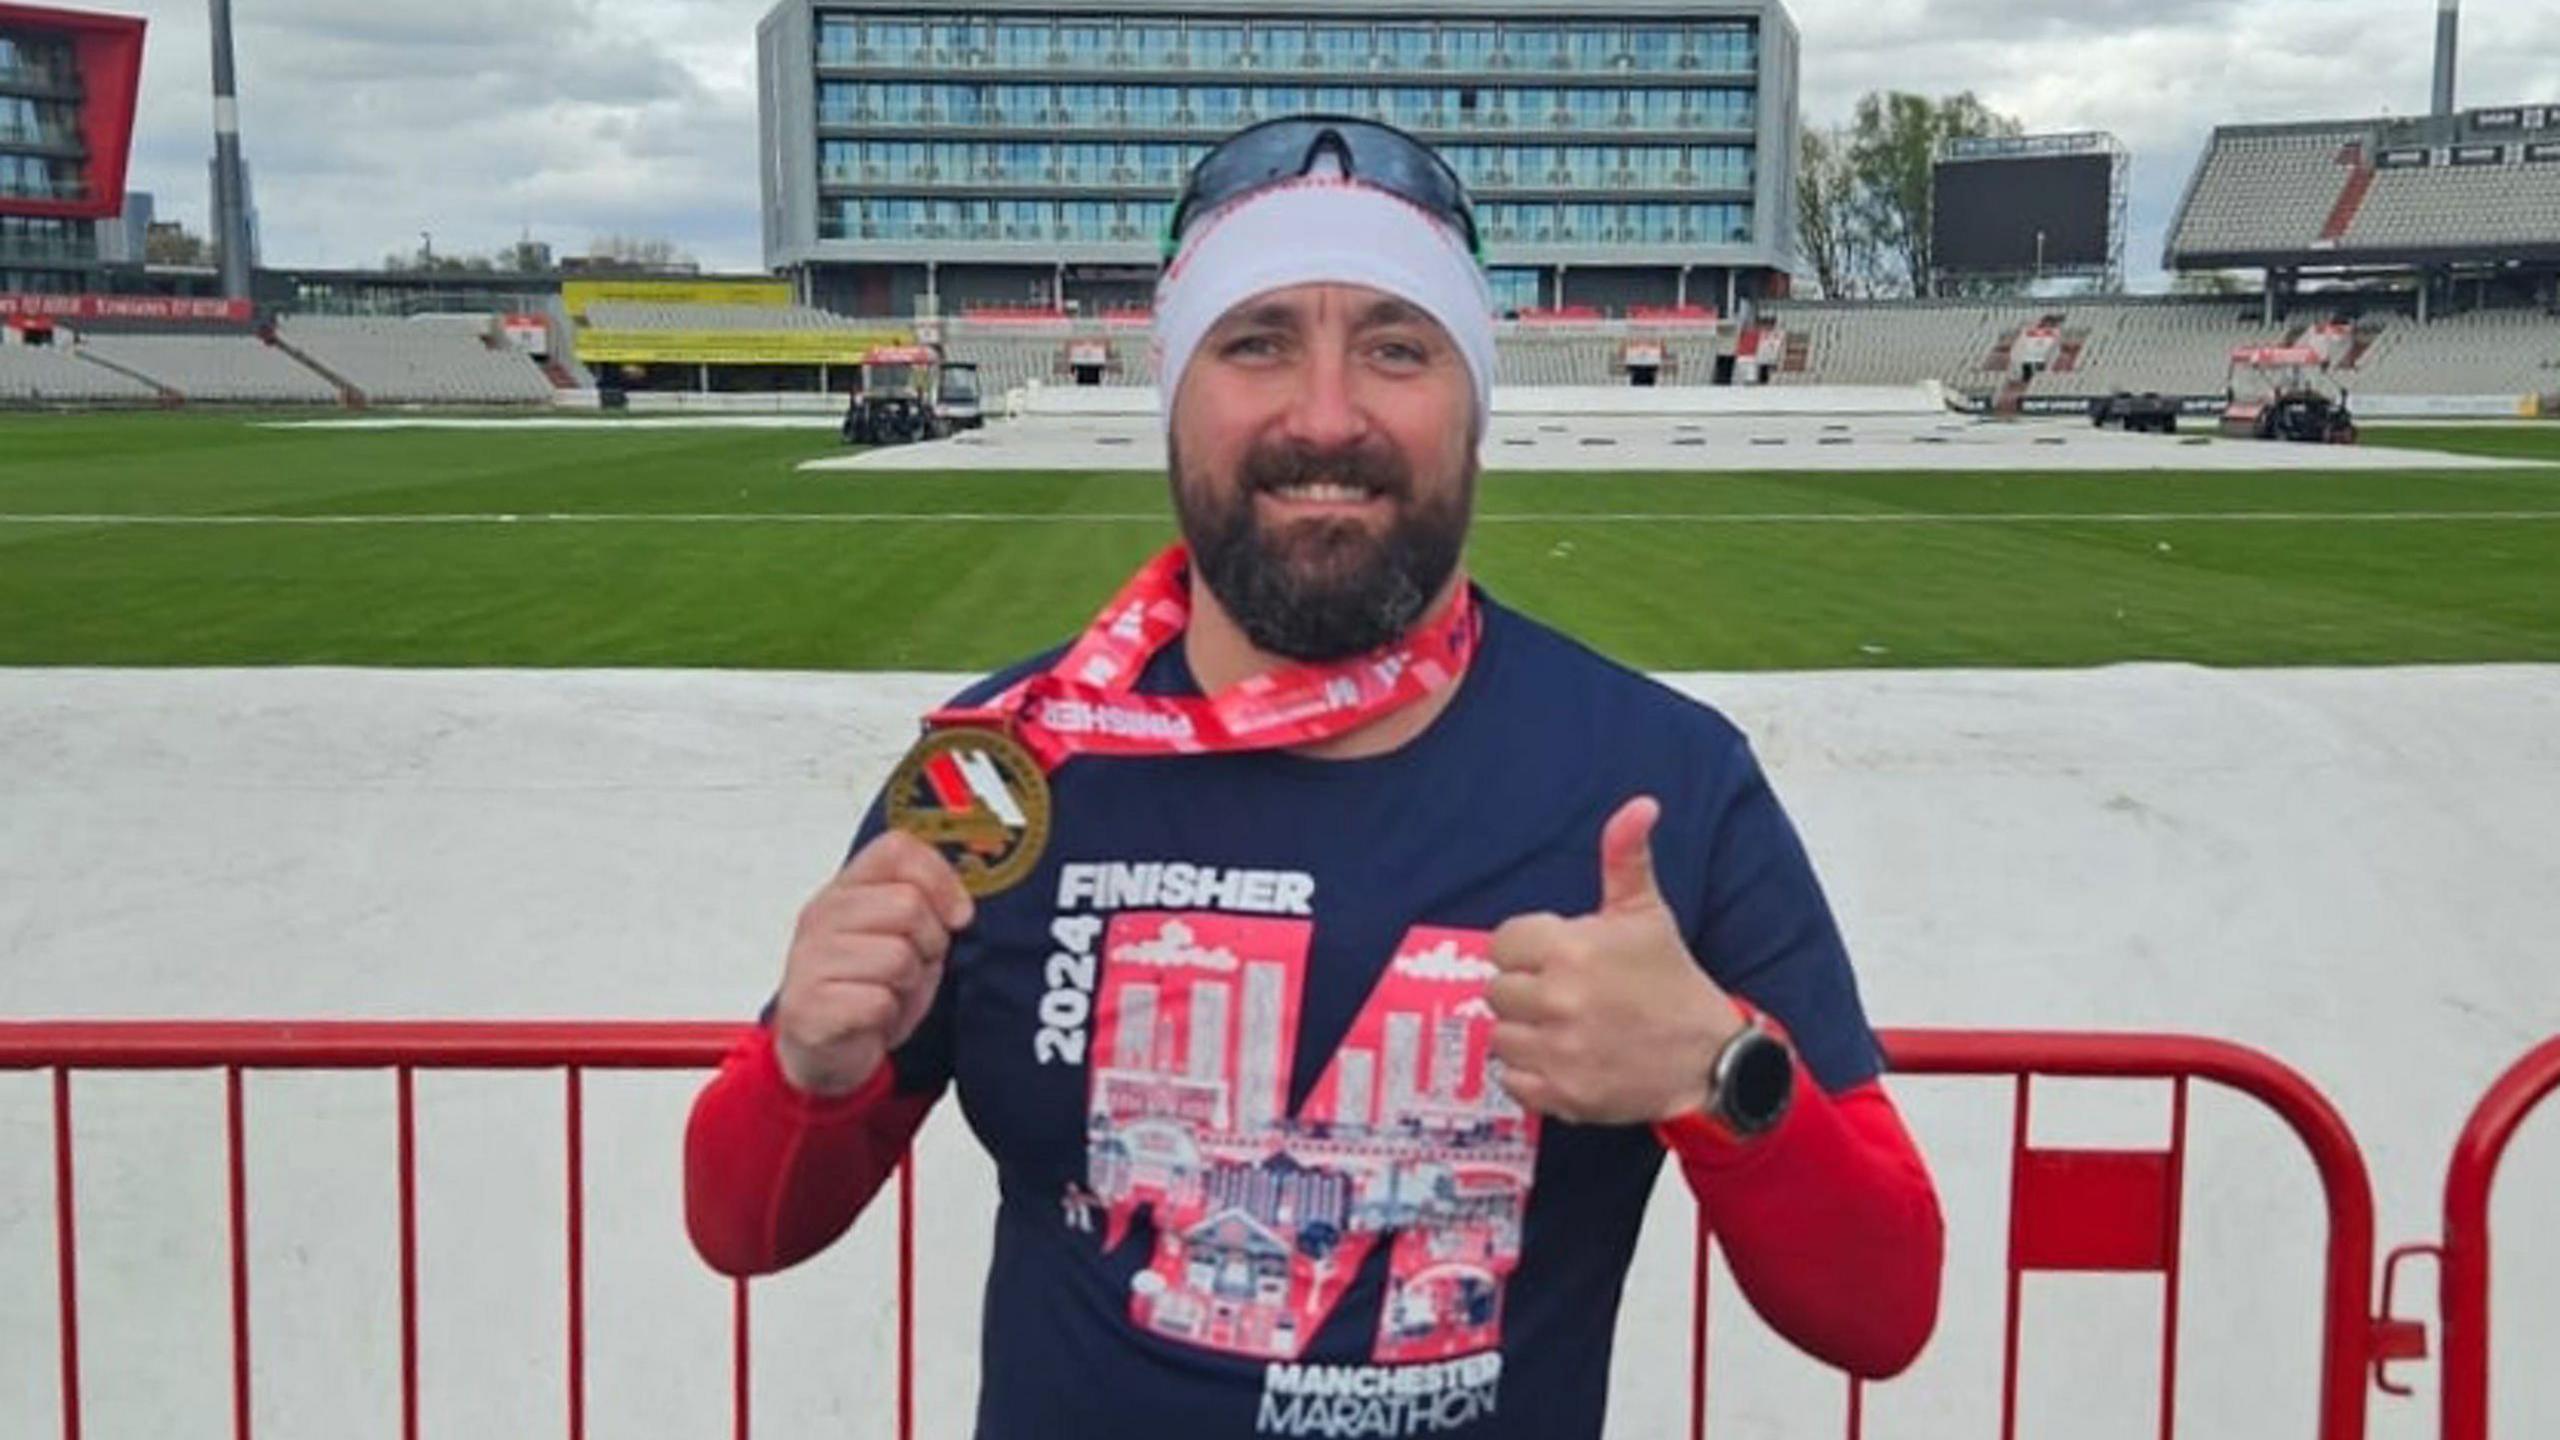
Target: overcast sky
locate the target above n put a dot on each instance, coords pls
(369, 121)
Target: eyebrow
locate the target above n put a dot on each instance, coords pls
(1389, 311)
(1270, 314)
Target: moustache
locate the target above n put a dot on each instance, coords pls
(1376, 468)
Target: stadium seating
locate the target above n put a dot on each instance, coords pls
(2459, 205)
(2264, 192)
(1902, 344)
(2173, 349)
(2490, 352)
(32, 374)
(418, 361)
(216, 369)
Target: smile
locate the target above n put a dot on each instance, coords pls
(1323, 493)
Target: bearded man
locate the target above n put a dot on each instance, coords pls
(1327, 954)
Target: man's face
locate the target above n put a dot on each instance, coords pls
(1324, 466)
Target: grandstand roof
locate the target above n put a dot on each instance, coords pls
(2375, 192)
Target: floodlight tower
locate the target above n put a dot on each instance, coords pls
(230, 199)
(2448, 22)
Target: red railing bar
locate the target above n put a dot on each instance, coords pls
(235, 1145)
(738, 1356)
(363, 1044)
(907, 1295)
(408, 1256)
(2347, 1334)
(1699, 1258)
(2009, 1261)
(1857, 1408)
(66, 1254)
(2464, 1283)
(577, 1259)
(2175, 1222)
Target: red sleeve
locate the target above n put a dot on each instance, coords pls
(772, 1174)
(1830, 1223)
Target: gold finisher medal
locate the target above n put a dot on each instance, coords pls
(978, 797)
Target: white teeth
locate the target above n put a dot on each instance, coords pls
(1324, 494)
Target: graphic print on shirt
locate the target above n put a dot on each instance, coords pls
(1263, 1218)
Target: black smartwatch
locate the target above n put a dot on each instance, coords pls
(1753, 1080)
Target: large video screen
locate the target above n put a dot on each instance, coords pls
(1989, 212)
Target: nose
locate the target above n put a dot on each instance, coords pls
(1326, 412)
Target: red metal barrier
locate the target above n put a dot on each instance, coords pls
(2071, 1209)
(2463, 1255)
(404, 1049)
(2120, 1211)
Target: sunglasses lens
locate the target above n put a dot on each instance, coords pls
(1282, 149)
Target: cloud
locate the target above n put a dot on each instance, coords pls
(2160, 74)
(479, 120)
(474, 120)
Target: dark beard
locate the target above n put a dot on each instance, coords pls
(1322, 590)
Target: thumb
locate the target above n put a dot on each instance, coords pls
(1626, 857)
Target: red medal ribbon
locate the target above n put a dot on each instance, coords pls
(1084, 705)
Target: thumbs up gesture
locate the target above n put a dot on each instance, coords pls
(1605, 1018)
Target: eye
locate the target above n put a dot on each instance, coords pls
(1402, 354)
(1251, 346)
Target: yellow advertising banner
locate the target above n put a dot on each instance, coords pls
(732, 347)
(577, 295)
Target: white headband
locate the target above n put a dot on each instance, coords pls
(1321, 228)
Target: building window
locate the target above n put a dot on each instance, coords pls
(1722, 167)
(1278, 46)
(1023, 104)
(1160, 163)
(1533, 47)
(1217, 47)
(1716, 223)
(1593, 47)
(1088, 45)
(1022, 44)
(1089, 106)
(1467, 47)
(1407, 47)
(1720, 109)
(1152, 106)
(1153, 43)
(897, 41)
(1342, 47)
(1591, 109)
(1343, 100)
(839, 41)
(37, 177)
(1656, 48)
(1727, 49)
(1514, 288)
(1217, 106)
(959, 42)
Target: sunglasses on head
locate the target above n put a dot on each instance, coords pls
(1284, 149)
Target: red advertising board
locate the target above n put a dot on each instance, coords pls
(107, 50)
(205, 308)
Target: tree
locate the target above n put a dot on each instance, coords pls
(2211, 282)
(636, 252)
(172, 243)
(1829, 226)
(1893, 148)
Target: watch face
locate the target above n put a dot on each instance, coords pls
(1759, 1084)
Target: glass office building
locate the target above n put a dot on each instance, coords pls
(1030, 156)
